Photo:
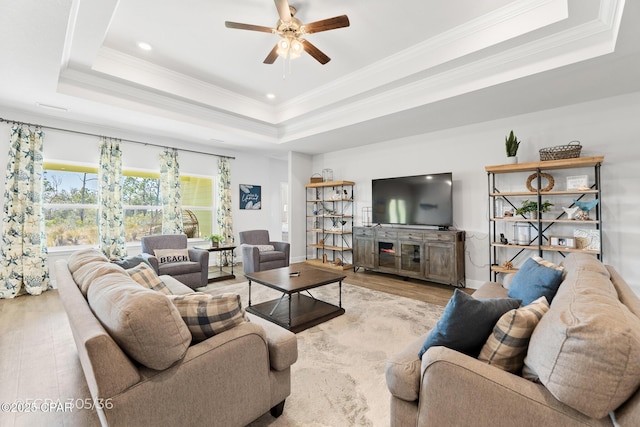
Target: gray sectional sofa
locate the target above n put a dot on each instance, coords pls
(141, 366)
(584, 352)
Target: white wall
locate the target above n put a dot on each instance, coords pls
(268, 173)
(609, 127)
(299, 175)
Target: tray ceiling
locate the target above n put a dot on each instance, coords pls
(395, 71)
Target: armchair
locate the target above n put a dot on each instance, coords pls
(193, 273)
(259, 253)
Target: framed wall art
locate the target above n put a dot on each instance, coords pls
(587, 239)
(578, 182)
(250, 197)
(566, 242)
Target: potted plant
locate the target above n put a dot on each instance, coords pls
(530, 206)
(511, 144)
(215, 240)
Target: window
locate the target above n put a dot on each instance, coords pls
(71, 204)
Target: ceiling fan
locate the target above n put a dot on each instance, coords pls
(292, 31)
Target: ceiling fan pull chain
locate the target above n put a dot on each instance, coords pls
(284, 69)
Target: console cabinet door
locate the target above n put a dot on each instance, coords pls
(411, 256)
(363, 248)
(440, 264)
(386, 255)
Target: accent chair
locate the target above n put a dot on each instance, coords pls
(193, 271)
(259, 253)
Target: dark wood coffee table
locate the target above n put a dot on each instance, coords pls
(293, 310)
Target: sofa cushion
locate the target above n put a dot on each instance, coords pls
(467, 322)
(271, 256)
(86, 265)
(265, 248)
(207, 315)
(167, 256)
(146, 276)
(144, 323)
(83, 256)
(586, 349)
(507, 345)
(533, 280)
(179, 268)
(175, 286)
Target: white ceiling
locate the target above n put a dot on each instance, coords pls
(397, 70)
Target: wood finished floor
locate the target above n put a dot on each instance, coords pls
(39, 362)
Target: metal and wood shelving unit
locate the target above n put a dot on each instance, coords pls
(541, 226)
(330, 224)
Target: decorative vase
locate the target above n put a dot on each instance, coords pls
(521, 233)
(512, 160)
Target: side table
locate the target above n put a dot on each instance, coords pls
(220, 274)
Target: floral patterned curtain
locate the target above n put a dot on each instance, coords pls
(225, 216)
(110, 211)
(24, 266)
(171, 193)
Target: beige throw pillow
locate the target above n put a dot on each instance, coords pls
(507, 345)
(146, 276)
(166, 256)
(143, 322)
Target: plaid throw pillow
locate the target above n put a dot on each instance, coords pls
(549, 264)
(507, 346)
(207, 315)
(146, 276)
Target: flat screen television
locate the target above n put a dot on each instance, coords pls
(413, 200)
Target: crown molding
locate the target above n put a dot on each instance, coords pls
(144, 73)
(90, 85)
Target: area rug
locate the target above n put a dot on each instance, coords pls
(338, 379)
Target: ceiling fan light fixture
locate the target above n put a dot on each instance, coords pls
(283, 47)
(289, 47)
(284, 44)
(296, 46)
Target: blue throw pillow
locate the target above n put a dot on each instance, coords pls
(467, 322)
(534, 280)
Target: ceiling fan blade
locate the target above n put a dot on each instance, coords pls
(273, 55)
(283, 10)
(250, 27)
(315, 52)
(326, 24)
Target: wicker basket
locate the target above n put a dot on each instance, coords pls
(315, 178)
(569, 151)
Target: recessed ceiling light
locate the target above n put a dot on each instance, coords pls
(144, 46)
(271, 96)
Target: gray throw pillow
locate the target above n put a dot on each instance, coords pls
(131, 262)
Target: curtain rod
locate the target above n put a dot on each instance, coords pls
(17, 122)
